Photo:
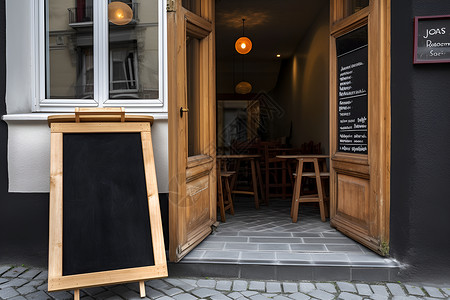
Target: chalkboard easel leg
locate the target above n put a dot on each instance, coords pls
(76, 295)
(142, 288)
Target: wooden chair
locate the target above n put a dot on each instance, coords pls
(277, 171)
(320, 197)
(223, 181)
(311, 148)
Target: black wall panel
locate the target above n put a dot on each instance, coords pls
(420, 170)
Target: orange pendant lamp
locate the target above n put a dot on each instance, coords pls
(119, 13)
(243, 88)
(243, 44)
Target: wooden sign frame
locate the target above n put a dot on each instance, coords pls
(134, 124)
(416, 41)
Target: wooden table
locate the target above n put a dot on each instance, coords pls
(256, 174)
(317, 174)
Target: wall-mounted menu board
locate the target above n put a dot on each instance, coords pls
(352, 108)
(105, 221)
(432, 39)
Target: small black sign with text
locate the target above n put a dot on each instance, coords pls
(432, 39)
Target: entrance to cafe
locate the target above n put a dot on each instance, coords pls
(311, 98)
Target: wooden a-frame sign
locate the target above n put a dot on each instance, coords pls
(105, 220)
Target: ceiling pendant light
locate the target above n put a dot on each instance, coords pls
(119, 13)
(243, 44)
(243, 88)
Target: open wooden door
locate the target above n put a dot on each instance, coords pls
(192, 133)
(360, 120)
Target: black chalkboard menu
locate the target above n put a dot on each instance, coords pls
(352, 109)
(432, 39)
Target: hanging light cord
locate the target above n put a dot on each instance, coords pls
(243, 34)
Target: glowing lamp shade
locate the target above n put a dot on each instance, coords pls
(119, 13)
(243, 88)
(243, 45)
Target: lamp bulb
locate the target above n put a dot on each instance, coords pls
(119, 13)
(243, 45)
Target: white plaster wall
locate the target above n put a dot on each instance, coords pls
(28, 133)
(160, 139)
(29, 155)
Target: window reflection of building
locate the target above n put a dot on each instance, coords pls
(123, 73)
(133, 52)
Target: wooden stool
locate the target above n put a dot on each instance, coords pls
(223, 179)
(320, 197)
(256, 177)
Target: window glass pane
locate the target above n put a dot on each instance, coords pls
(133, 49)
(353, 6)
(193, 94)
(69, 49)
(353, 40)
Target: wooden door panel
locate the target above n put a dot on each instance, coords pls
(191, 93)
(359, 181)
(353, 199)
(197, 210)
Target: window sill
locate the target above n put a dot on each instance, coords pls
(44, 116)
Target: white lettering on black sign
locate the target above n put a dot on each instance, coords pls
(352, 101)
(432, 39)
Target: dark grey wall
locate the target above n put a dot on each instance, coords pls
(23, 217)
(420, 170)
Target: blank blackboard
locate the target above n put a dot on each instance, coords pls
(106, 223)
(352, 91)
(105, 220)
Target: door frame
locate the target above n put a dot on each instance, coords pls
(378, 161)
(181, 22)
(377, 16)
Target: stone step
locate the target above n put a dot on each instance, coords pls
(259, 271)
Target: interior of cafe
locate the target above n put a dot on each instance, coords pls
(273, 137)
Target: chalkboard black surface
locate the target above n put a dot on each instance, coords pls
(106, 223)
(432, 39)
(352, 89)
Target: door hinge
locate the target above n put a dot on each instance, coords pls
(170, 5)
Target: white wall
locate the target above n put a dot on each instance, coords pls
(29, 155)
(302, 87)
(28, 133)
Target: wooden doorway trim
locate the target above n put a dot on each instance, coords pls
(375, 166)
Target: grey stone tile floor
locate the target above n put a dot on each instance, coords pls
(268, 236)
(22, 283)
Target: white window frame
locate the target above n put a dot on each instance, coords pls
(101, 66)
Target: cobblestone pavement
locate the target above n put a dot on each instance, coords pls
(19, 283)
